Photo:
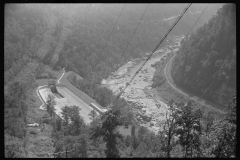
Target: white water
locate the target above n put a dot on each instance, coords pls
(135, 91)
(194, 12)
(170, 18)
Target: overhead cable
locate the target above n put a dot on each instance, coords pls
(133, 33)
(174, 24)
(108, 38)
(197, 20)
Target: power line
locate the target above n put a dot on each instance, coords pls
(192, 28)
(133, 33)
(127, 84)
(16, 154)
(108, 38)
(180, 16)
(61, 152)
(197, 20)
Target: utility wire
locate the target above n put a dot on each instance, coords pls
(16, 154)
(148, 57)
(61, 152)
(188, 34)
(108, 38)
(127, 84)
(133, 34)
(180, 16)
(47, 154)
(197, 20)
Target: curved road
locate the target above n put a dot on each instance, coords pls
(167, 73)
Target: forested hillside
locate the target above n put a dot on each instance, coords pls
(42, 39)
(73, 36)
(206, 63)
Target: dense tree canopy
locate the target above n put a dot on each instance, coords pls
(206, 63)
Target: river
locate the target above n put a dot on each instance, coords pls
(147, 107)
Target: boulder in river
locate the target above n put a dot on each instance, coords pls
(144, 110)
(151, 124)
(104, 82)
(146, 118)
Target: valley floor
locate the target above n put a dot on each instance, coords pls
(139, 92)
(151, 103)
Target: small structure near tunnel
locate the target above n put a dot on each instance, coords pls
(52, 86)
(99, 110)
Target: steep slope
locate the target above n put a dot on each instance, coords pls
(206, 63)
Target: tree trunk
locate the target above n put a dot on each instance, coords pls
(191, 151)
(188, 152)
(54, 119)
(133, 130)
(186, 155)
(168, 146)
(51, 114)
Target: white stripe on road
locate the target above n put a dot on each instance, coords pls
(61, 76)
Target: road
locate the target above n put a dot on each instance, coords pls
(167, 73)
(71, 97)
(85, 109)
(86, 98)
(75, 100)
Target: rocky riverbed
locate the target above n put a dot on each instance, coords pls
(149, 111)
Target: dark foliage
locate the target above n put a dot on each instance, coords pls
(107, 130)
(206, 63)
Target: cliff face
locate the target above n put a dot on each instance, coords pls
(206, 62)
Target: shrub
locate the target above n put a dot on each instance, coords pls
(13, 147)
(52, 75)
(146, 118)
(46, 116)
(44, 75)
(47, 121)
(33, 132)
